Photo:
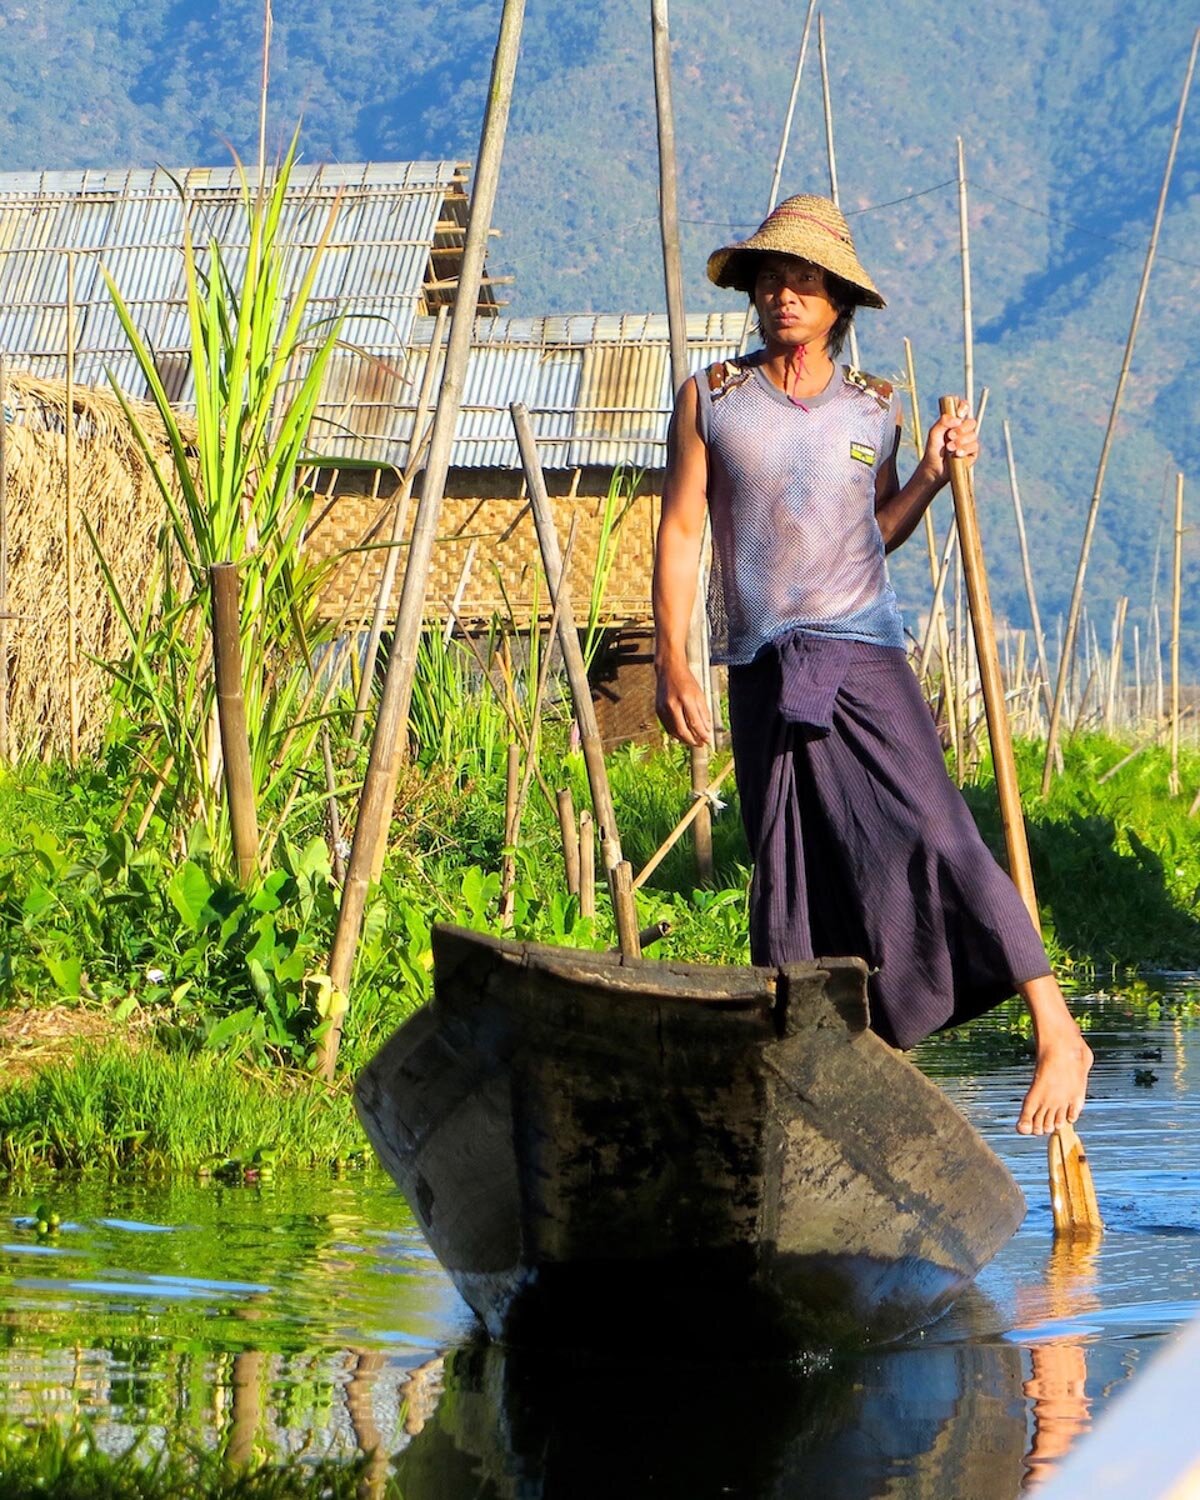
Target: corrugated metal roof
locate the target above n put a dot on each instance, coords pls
(132, 224)
(598, 387)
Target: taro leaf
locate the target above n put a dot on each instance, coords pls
(226, 1029)
(190, 891)
(67, 973)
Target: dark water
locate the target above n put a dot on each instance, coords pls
(306, 1318)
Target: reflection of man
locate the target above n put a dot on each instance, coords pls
(860, 842)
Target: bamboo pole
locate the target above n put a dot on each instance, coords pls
(624, 910)
(1110, 432)
(830, 152)
(268, 26)
(72, 597)
(375, 802)
(4, 746)
(1074, 1211)
(697, 641)
(1039, 639)
(964, 245)
(418, 439)
(1176, 605)
(587, 864)
(1115, 694)
(508, 861)
(569, 831)
(679, 830)
(937, 610)
(231, 715)
(785, 137)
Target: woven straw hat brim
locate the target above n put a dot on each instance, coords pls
(813, 230)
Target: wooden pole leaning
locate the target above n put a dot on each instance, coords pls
(231, 716)
(620, 883)
(1072, 1195)
(697, 641)
(375, 802)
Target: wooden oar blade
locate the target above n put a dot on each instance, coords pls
(1072, 1191)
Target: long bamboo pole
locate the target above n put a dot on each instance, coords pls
(1176, 607)
(1039, 638)
(830, 152)
(668, 198)
(72, 599)
(375, 802)
(417, 441)
(585, 712)
(1068, 652)
(231, 715)
(785, 137)
(1072, 1194)
(4, 746)
(964, 245)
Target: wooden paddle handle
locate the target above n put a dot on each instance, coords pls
(1003, 762)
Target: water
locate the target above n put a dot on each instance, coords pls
(306, 1317)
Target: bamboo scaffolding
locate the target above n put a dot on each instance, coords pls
(375, 801)
(624, 910)
(830, 152)
(1110, 432)
(231, 715)
(697, 641)
(1176, 607)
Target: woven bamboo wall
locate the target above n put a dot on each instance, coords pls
(489, 508)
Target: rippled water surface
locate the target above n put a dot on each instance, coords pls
(307, 1317)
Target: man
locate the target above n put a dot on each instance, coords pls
(860, 842)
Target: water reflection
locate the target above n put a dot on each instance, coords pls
(915, 1423)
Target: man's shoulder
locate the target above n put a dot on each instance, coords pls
(726, 375)
(881, 391)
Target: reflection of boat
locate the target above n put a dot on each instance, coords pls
(595, 1145)
(923, 1423)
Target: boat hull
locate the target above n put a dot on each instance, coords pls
(597, 1148)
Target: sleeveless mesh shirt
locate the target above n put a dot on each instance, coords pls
(791, 496)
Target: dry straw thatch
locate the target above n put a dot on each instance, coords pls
(115, 491)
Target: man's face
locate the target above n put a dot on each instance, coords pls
(792, 302)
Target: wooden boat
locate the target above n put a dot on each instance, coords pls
(597, 1147)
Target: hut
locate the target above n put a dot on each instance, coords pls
(598, 387)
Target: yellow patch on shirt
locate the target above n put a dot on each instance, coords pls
(863, 452)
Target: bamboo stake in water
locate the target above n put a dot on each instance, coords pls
(697, 641)
(72, 600)
(231, 715)
(1176, 604)
(375, 802)
(1064, 667)
(830, 152)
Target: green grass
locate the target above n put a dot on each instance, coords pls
(48, 1462)
(153, 1109)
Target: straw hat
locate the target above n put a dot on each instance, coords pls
(806, 226)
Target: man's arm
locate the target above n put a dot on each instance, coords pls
(680, 700)
(898, 509)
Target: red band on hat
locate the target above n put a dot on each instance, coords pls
(798, 213)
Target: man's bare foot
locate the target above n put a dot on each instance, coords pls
(1056, 1095)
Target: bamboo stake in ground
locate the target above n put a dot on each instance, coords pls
(569, 832)
(375, 802)
(697, 641)
(231, 715)
(680, 828)
(624, 909)
(1068, 651)
(1074, 1211)
(4, 751)
(1176, 603)
(72, 601)
(587, 864)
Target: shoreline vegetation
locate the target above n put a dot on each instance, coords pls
(156, 1017)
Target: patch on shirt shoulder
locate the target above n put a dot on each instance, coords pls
(863, 452)
(873, 385)
(726, 375)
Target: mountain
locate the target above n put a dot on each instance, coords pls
(1065, 110)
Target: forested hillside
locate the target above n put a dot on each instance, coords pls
(1065, 110)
